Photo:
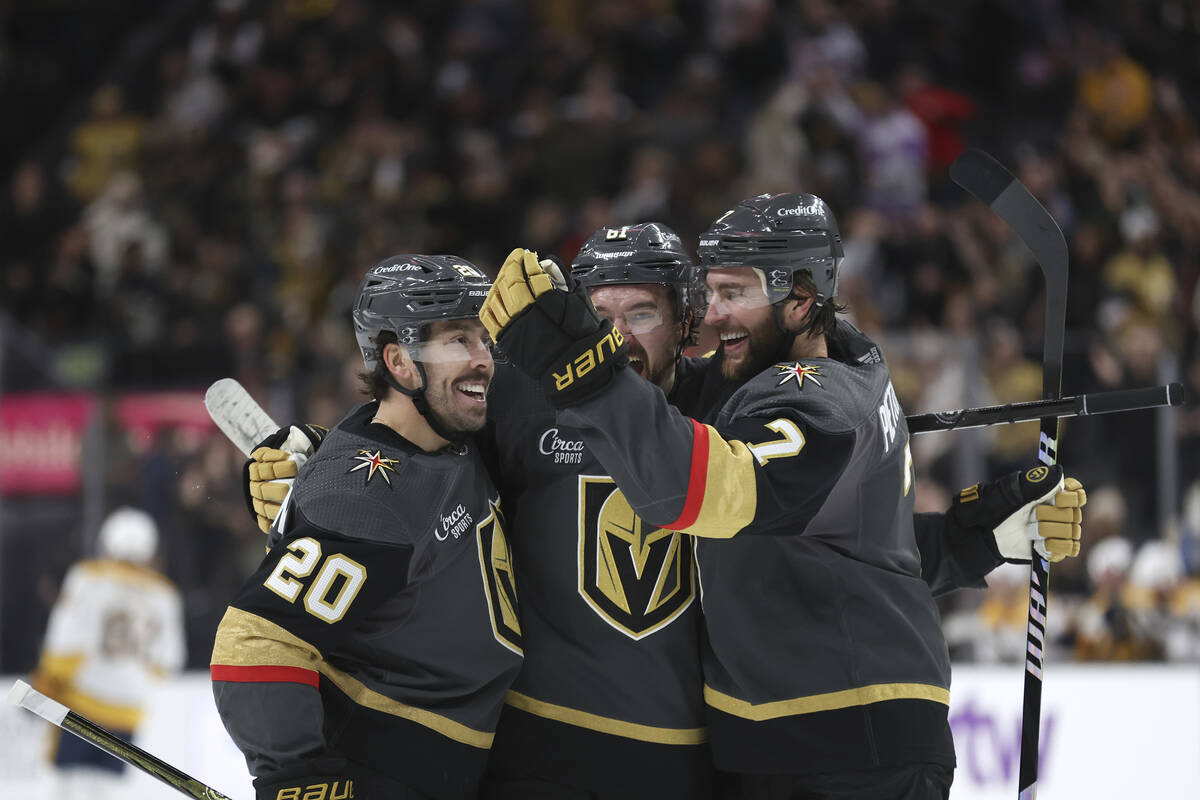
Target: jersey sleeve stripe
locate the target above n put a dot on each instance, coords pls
(224, 672)
(722, 496)
(246, 640)
(697, 477)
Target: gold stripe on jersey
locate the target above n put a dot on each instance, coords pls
(129, 573)
(729, 499)
(105, 714)
(248, 640)
(828, 701)
(57, 667)
(615, 727)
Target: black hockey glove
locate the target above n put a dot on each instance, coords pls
(1034, 509)
(546, 325)
(273, 463)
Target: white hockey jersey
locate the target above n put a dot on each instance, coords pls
(115, 629)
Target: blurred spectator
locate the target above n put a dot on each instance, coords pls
(1162, 604)
(1113, 88)
(127, 244)
(106, 142)
(116, 629)
(1105, 629)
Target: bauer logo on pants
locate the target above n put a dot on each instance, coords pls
(636, 577)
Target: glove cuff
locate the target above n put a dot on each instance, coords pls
(583, 370)
(994, 510)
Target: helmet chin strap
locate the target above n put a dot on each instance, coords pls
(422, 405)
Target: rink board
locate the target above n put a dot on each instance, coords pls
(1108, 732)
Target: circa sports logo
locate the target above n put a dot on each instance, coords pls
(455, 523)
(563, 451)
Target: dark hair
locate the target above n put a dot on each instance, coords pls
(823, 317)
(375, 382)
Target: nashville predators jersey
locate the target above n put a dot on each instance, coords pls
(823, 649)
(609, 698)
(115, 628)
(381, 629)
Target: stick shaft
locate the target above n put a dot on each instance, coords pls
(1079, 405)
(992, 183)
(55, 713)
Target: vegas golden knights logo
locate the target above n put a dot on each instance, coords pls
(495, 562)
(638, 578)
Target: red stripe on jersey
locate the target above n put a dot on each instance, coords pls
(266, 674)
(697, 480)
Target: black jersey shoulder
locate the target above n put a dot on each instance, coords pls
(368, 482)
(834, 393)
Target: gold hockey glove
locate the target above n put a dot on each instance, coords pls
(273, 465)
(1037, 509)
(545, 324)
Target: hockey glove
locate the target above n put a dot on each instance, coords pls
(1024, 511)
(273, 464)
(546, 325)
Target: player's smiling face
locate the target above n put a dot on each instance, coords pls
(644, 313)
(458, 373)
(739, 312)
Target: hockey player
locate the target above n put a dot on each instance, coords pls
(825, 669)
(369, 655)
(608, 703)
(116, 629)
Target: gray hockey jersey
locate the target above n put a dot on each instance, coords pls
(381, 629)
(824, 650)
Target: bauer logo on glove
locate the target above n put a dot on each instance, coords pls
(546, 325)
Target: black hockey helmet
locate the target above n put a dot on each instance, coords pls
(405, 293)
(648, 252)
(778, 234)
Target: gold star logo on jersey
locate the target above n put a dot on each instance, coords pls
(798, 372)
(375, 463)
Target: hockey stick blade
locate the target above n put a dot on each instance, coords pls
(1083, 405)
(990, 182)
(237, 414)
(23, 695)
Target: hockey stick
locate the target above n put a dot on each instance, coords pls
(25, 696)
(987, 180)
(1083, 405)
(237, 414)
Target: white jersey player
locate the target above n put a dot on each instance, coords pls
(116, 628)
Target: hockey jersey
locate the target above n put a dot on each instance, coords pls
(823, 650)
(381, 629)
(609, 698)
(115, 629)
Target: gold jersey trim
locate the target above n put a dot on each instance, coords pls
(248, 640)
(108, 715)
(828, 701)
(615, 727)
(134, 574)
(729, 500)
